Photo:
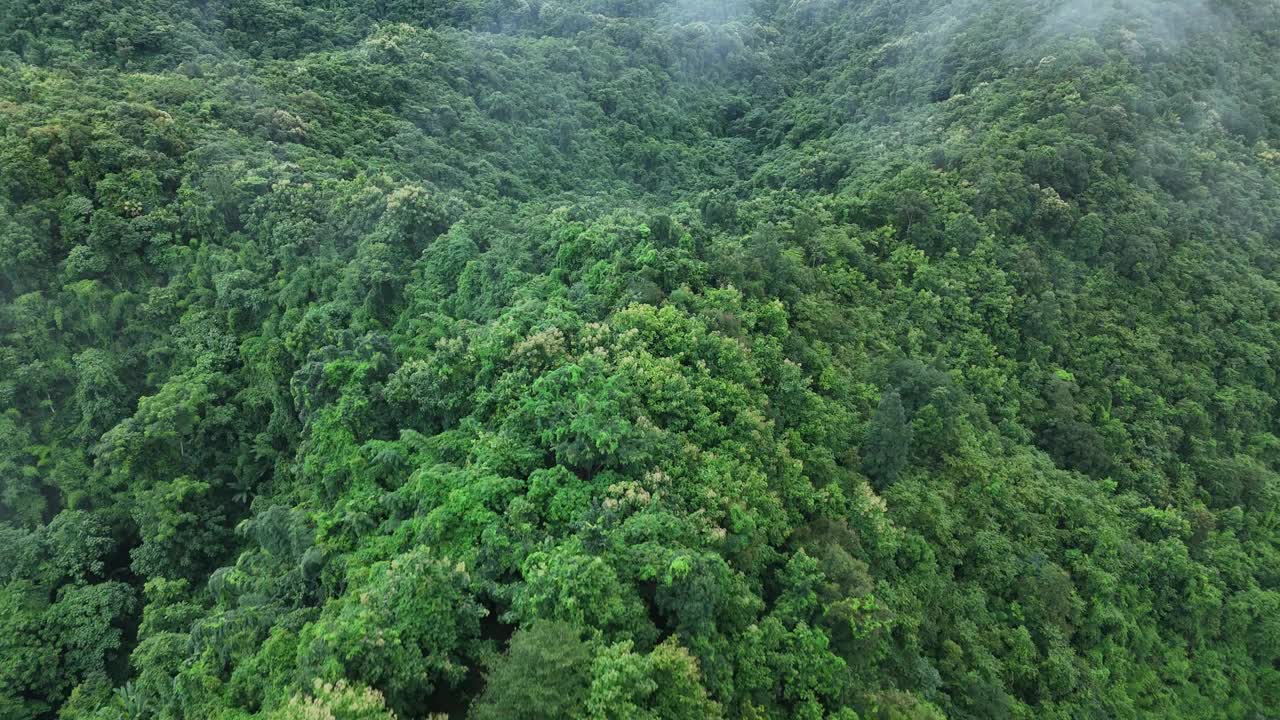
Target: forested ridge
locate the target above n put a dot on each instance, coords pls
(626, 359)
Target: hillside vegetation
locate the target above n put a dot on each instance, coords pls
(639, 359)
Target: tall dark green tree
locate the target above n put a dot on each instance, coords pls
(887, 446)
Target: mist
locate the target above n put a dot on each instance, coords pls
(1164, 24)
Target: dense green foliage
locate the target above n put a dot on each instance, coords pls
(625, 359)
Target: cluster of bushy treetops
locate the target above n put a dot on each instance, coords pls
(625, 359)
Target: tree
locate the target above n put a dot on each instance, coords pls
(31, 681)
(407, 628)
(545, 674)
(887, 446)
(88, 621)
(181, 529)
(664, 683)
(335, 701)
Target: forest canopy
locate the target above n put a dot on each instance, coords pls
(627, 359)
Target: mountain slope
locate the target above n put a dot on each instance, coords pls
(605, 359)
